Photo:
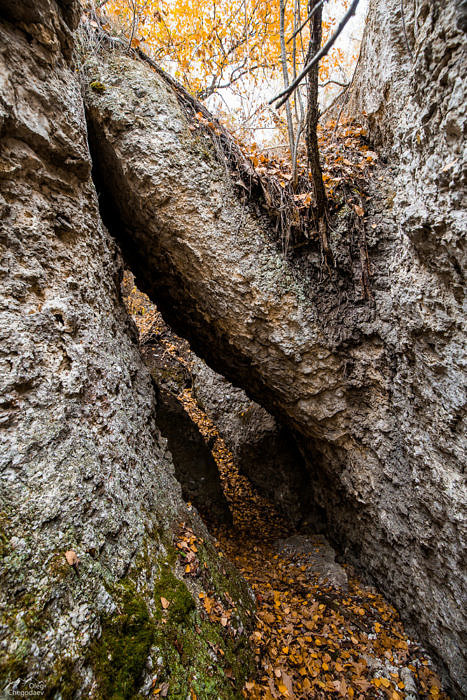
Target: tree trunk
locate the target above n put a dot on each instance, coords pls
(312, 116)
(285, 74)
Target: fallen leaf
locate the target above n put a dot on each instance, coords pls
(71, 557)
(288, 683)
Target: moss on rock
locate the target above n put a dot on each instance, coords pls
(181, 601)
(187, 650)
(63, 682)
(118, 657)
(198, 653)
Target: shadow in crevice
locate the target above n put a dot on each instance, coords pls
(214, 429)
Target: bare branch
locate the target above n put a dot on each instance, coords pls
(336, 99)
(333, 82)
(285, 94)
(297, 31)
(133, 23)
(285, 75)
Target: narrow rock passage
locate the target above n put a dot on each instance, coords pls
(252, 513)
(320, 633)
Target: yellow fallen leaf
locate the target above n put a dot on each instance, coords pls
(165, 603)
(208, 604)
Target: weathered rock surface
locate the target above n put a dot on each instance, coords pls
(413, 95)
(376, 390)
(415, 103)
(83, 466)
(194, 464)
(168, 359)
(318, 558)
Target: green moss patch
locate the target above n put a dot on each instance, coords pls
(119, 656)
(97, 86)
(194, 653)
(63, 682)
(199, 656)
(180, 600)
(160, 619)
(197, 653)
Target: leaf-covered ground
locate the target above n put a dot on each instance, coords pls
(312, 639)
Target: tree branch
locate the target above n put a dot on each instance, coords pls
(333, 82)
(285, 76)
(336, 99)
(285, 94)
(297, 31)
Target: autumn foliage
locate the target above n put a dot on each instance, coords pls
(222, 44)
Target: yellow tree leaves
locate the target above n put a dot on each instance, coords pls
(223, 43)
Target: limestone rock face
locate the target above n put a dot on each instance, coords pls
(194, 464)
(415, 103)
(375, 390)
(413, 94)
(84, 469)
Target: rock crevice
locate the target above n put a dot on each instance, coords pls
(356, 380)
